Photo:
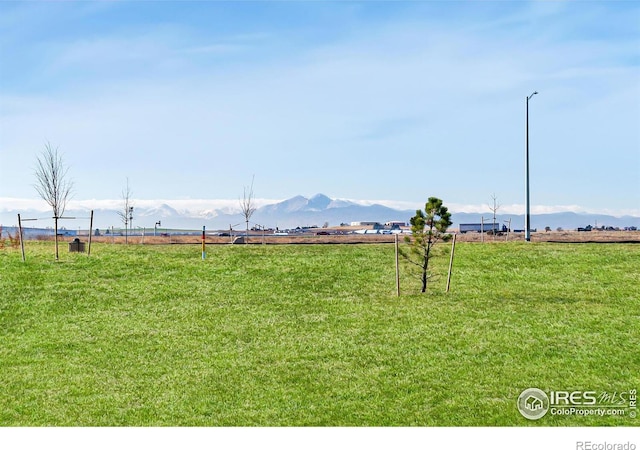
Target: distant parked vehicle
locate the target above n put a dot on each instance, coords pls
(587, 228)
(479, 227)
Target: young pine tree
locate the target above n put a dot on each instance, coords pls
(428, 227)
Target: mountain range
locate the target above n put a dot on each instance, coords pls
(300, 211)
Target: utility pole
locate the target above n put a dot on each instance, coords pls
(527, 214)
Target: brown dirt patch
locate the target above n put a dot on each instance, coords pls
(552, 236)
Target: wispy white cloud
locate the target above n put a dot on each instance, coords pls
(220, 48)
(181, 205)
(516, 209)
(234, 43)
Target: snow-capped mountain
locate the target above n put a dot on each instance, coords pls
(318, 202)
(293, 212)
(163, 211)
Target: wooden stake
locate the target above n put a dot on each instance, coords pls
(21, 240)
(204, 253)
(481, 230)
(397, 269)
(55, 221)
(90, 233)
(453, 249)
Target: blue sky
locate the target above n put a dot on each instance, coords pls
(369, 100)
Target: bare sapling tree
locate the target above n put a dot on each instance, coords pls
(428, 227)
(52, 184)
(126, 213)
(496, 207)
(247, 206)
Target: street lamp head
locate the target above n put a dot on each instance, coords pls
(534, 93)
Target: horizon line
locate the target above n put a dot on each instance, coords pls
(231, 206)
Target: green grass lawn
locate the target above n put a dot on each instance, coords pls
(311, 335)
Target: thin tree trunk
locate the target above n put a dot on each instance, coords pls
(427, 256)
(56, 235)
(424, 275)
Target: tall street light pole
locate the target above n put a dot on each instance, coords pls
(527, 214)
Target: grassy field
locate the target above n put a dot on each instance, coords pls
(311, 335)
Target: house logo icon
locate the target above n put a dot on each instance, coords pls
(533, 403)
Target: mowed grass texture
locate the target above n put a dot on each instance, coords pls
(311, 335)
